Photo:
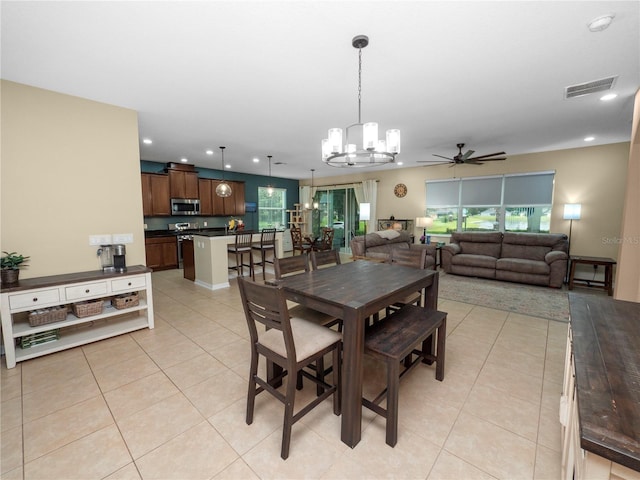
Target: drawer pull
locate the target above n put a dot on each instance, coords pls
(35, 299)
(129, 284)
(87, 291)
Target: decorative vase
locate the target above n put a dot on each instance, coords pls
(8, 277)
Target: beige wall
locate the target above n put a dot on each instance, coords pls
(593, 176)
(70, 168)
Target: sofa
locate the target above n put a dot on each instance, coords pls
(535, 258)
(380, 244)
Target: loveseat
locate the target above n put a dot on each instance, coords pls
(380, 244)
(536, 258)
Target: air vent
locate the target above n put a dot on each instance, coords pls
(590, 87)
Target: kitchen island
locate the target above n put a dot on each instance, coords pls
(212, 260)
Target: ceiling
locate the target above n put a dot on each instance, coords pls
(269, 78)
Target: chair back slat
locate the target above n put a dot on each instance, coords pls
(291, 265)
(268, 237)
(324, 257)
(244, 238)
(408, 257)
(326, 239)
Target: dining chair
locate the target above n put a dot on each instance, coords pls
(324, 257)
(292, 266)
(241, 247)
(408, 257)
(267, 244)
(290, 342)
(326, 239)
(298, 242)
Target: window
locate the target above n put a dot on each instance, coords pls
(510, 203)
(272, 209)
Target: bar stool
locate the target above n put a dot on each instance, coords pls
(267, 243)
(242, 246)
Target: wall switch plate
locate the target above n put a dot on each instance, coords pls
(123, 238)
(145, 226)
(205, 224)
(104, 239)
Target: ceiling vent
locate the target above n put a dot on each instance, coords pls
(589, 87)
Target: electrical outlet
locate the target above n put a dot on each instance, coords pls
(123, 238)
(205, 224)
(595, 267)
(99, 239)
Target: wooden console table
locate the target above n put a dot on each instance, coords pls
(608, 264)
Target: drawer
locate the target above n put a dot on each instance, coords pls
(34, 299)
(128, 284)
(78, 292)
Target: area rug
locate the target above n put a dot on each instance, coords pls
(536, 301)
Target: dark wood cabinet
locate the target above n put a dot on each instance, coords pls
(234, 205)
(188, 260)
(206, 201)
(161, 252)
(183, 184)
(155, 194)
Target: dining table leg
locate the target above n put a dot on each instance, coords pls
(352, 375)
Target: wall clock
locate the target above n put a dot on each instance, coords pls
(400, 190)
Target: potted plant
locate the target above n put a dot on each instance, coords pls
(10, 267)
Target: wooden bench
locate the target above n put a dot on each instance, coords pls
(393, 340)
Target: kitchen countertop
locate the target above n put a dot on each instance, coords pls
(606, 348)
(214, 231)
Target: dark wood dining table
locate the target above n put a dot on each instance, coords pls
(354, 291)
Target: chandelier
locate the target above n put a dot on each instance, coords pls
(223, 189)
(361, 147)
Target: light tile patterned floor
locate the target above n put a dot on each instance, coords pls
(169, 403)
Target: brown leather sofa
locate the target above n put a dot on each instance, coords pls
(380, 244)
(536, 258)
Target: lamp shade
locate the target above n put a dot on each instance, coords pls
(424, 222)
(572, 211)
(365, 211)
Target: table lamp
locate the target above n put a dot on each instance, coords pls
(424, 223)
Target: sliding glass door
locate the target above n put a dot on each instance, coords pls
(337, 209)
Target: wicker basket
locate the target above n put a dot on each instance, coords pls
(48, 315)
(86, 309)
(127, 300)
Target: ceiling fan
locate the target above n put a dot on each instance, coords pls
(465, 158)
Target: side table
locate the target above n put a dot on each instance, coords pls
(608, 264)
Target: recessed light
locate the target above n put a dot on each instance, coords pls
(589, 139)
(600, 23)
(184, 160)
(209, 152)
(227, 166)
(399, 163)
(148, 141)
(256, 160)
(608, 96)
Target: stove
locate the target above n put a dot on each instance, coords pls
(181, 230)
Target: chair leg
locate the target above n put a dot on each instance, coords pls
(320, 375)
(251, 394)
(288, 418)
(239, 271)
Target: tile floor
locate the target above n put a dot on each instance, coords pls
(169, 403)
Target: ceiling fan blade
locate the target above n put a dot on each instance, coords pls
(472, 162)
(488, 159)
(467, 154)
(488, 155)
(448, 158)
(431, 163)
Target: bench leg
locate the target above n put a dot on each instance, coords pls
(393, 384)
(442, 337)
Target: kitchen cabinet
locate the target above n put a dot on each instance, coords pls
(227, 206)
(206, 201)
(155, 195)
(161, 252)
(51, 292)
(183, 184)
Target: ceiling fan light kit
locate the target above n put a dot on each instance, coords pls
(361, 146)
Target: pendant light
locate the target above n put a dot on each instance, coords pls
(315, 204)
(223, 189)
(269, 186)
(362, 147)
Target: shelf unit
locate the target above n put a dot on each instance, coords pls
(296, 217)
(44, 292)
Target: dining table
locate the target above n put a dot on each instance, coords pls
(353, 292)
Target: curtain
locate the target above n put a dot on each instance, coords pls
(305, 196)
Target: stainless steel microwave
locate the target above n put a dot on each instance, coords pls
(185, 206)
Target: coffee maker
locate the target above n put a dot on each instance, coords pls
(112, 258)
(119, 263)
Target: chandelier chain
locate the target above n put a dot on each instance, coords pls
(360, 85)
